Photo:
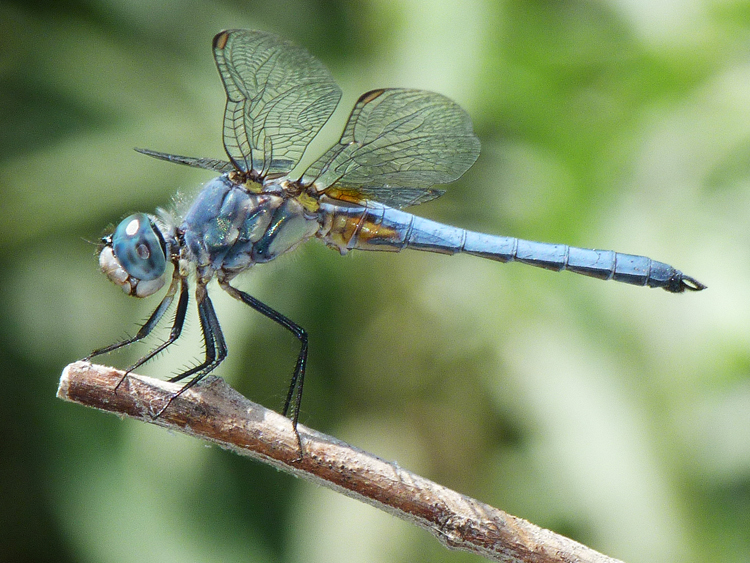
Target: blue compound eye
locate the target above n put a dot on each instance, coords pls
(139, 248)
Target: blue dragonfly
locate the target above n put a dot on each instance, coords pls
(397, 144)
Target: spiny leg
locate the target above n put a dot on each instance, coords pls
(174, 333)
(298, 378)
(146, 329)
(213, 338)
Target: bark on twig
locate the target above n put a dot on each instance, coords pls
(214, 411)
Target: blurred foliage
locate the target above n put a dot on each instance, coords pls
(616, 415)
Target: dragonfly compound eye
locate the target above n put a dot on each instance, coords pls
(136, 259)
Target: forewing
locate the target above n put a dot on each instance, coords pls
(206, 163)
(278, 98)
(396, 144)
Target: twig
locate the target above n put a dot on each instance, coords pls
(216, 412)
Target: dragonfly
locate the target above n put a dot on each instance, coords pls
(397, 144)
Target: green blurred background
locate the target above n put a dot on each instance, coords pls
(616, 415)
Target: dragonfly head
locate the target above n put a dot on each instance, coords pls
(135, 256)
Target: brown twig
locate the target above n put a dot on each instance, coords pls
(216, 412)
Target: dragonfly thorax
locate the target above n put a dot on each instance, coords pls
(229, 228)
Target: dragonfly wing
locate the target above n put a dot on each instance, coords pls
(206, 163)
(278, 98)
(396, 144)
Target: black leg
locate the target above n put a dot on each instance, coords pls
(174, 334)
(213, 338)
(294, 396)
(216, 347)
(148, 326)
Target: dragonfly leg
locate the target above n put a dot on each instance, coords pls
(148, 326)
(213, 338)
(294, 395)
(174, 333)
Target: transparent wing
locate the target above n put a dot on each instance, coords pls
(278, 98)
(206, 163)
(396, 144)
